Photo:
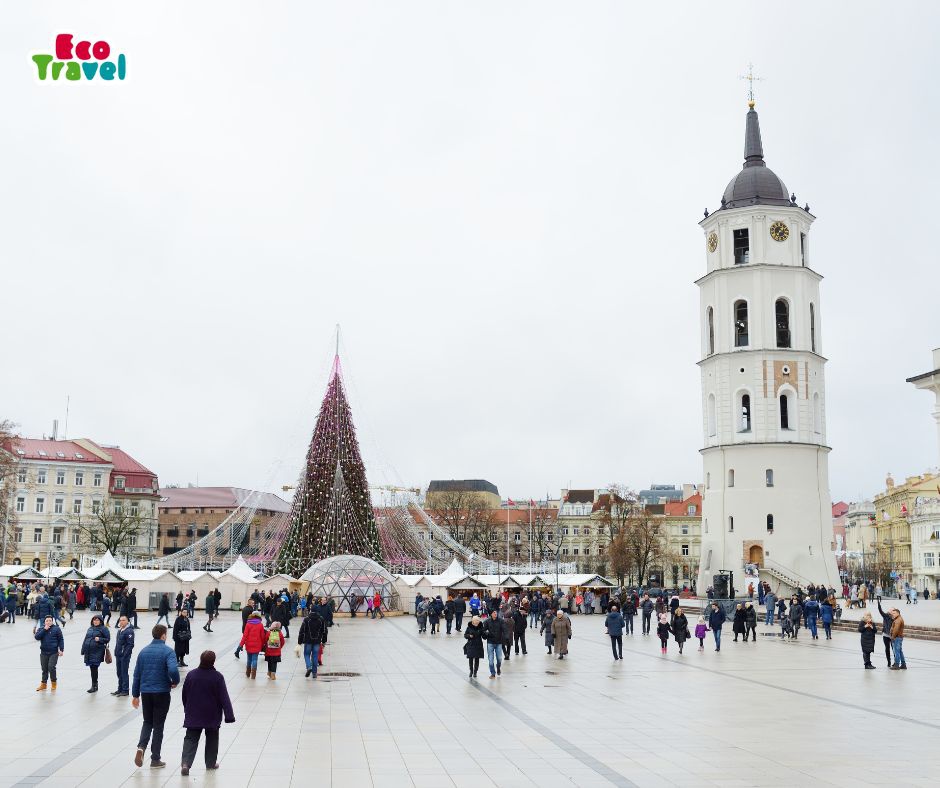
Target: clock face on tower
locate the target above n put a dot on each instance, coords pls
(712, 242)
(779, 231)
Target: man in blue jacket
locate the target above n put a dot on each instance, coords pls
(51, 647)
(716, 618)
(155, 674)
(123, 648)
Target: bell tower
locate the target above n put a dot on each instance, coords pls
(766, 512)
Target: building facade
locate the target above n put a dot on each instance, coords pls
(893, 511)
(486, 493)
(682, 529)
(925, 544)
(60, 483)
(766, 503)
(861, 537)
(930, 381)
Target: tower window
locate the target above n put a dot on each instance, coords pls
(742, 247)
(770, 523)
(812, 328)
(708, 481)
(782, 312)
(731, 477)
(711, 330)
(730, 523)
(784, 412)
(740, 324)
(712, 416)
(770, 477)
(803, 248)
(745, 425)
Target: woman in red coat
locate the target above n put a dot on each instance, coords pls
(272, 648)
(253, 640)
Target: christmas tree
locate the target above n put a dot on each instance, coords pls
(332, 512)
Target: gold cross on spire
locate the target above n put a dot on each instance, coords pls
(751, 79)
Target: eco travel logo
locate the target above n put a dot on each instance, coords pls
(83, 60)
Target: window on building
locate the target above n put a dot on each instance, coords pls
(75, 536)
(812, 328)
(690, 509)
(41, 477)
(685, 529)
(575, 551)
(60, 477)
(586, 532)
(575, 530)
(119, 483)
(40, 505)
(19, 535)
(21, 504)
(685, 549)
(57, 535)
(118, 508)
(784, 412)
(135, 509)
(21, 475)
(741, 338)
(928, 559)
(731, 477)
(97, 480)
(770, 522)
(37, 535)
(96, 507)
(745, 425)
(550, 536)
(132, 540)
(564, 551)
(803, 248)
(711, 330)
(564, 531)
(79, 478)
(712, 416)
(59, 505)
(730, 523)
(769, 477)
(742, 247)
(782, 314)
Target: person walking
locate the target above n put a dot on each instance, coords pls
(460, 610)
(701, 628)
(210, 612)
(494, 632)
(205, 704)
(422, 615)
(163, 609)
(613, 625)
(811, 613)
(716, 618)
(71, 603)
(509, 630)
(826, 616)
(646, 606)
(377, 607)
(311, 636)
(897, 640)
(51, 647)
(272, 649)
(434, 615)
(94, 646)
(473, 648)
(795, 613)
(130, 608)
(253, 638)
(680, 627)
(561, 633)
(629, 613)
(662, 632)
(449, 612)
(182, 633)
(247, 610)
(750, 623)
(179, 601)
(770, 601)
(123, 648)
(737, 624)
(886, 622)
(106, 609)
(867, 630)
(518, 630)
(155, 674)
(547, 617)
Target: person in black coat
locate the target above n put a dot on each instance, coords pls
(282, 614)
(680, 628)
(182, 633)
(247, 610)
(179, 602)
(750, 621)
(867, 630)
(93, 647)
(163, 609)
(473, 648)
(460, 609)
(738, 625)
(518, 631)
(629, 613)
(449, 612)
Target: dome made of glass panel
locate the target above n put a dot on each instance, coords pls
(345, 578)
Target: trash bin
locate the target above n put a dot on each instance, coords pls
(236, 605)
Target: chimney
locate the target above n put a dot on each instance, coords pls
(55, 429)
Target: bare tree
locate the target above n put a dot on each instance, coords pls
(8, 482)
(645, 543)
(620, 505)
(113, 526)
(621, 563)
(543, 527)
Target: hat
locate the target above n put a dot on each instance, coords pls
(255, 614)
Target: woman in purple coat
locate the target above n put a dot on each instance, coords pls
(205, 700)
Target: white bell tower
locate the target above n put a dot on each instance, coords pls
(767, 504)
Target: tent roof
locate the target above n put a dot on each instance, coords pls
(468, 582)
(411, 580)
(189, 575)
(241, 571)
(454, 570)
(19, 571)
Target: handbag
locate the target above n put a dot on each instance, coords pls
(107, 655)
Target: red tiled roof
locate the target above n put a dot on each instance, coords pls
(220, 497)
(839, 508)
(681, 508)
(123, 462)
(32, 446)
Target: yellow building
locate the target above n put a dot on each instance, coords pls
(893, 510)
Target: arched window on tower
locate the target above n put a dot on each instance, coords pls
(712, 416)
(812, 328)
(770, 523)
(784, 411)
(740, 324)
(731, 477)
(744, 424)
(769, 474)
(782, 315)
(711, 330)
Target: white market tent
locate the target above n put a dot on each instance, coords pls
(237, 583)
(202, 582)
(408, 587)
(19, 572)
(275, 583)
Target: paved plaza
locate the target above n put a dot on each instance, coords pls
(764, 713)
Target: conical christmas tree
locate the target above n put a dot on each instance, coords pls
(332, 512)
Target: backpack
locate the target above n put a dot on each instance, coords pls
(274, 639)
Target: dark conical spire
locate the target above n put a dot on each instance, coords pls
(753, 150)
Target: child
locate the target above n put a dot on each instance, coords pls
(700, 629)
(272, 648)
(663, 631)
(781, 609)
(867, 630)
(786, 628)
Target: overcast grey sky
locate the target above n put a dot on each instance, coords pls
(497, 201)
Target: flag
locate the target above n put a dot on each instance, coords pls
(510, 502)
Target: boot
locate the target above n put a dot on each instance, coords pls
(41, 687)
(273, 676)
(254, 673)
(248, 672)
(54, 684)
